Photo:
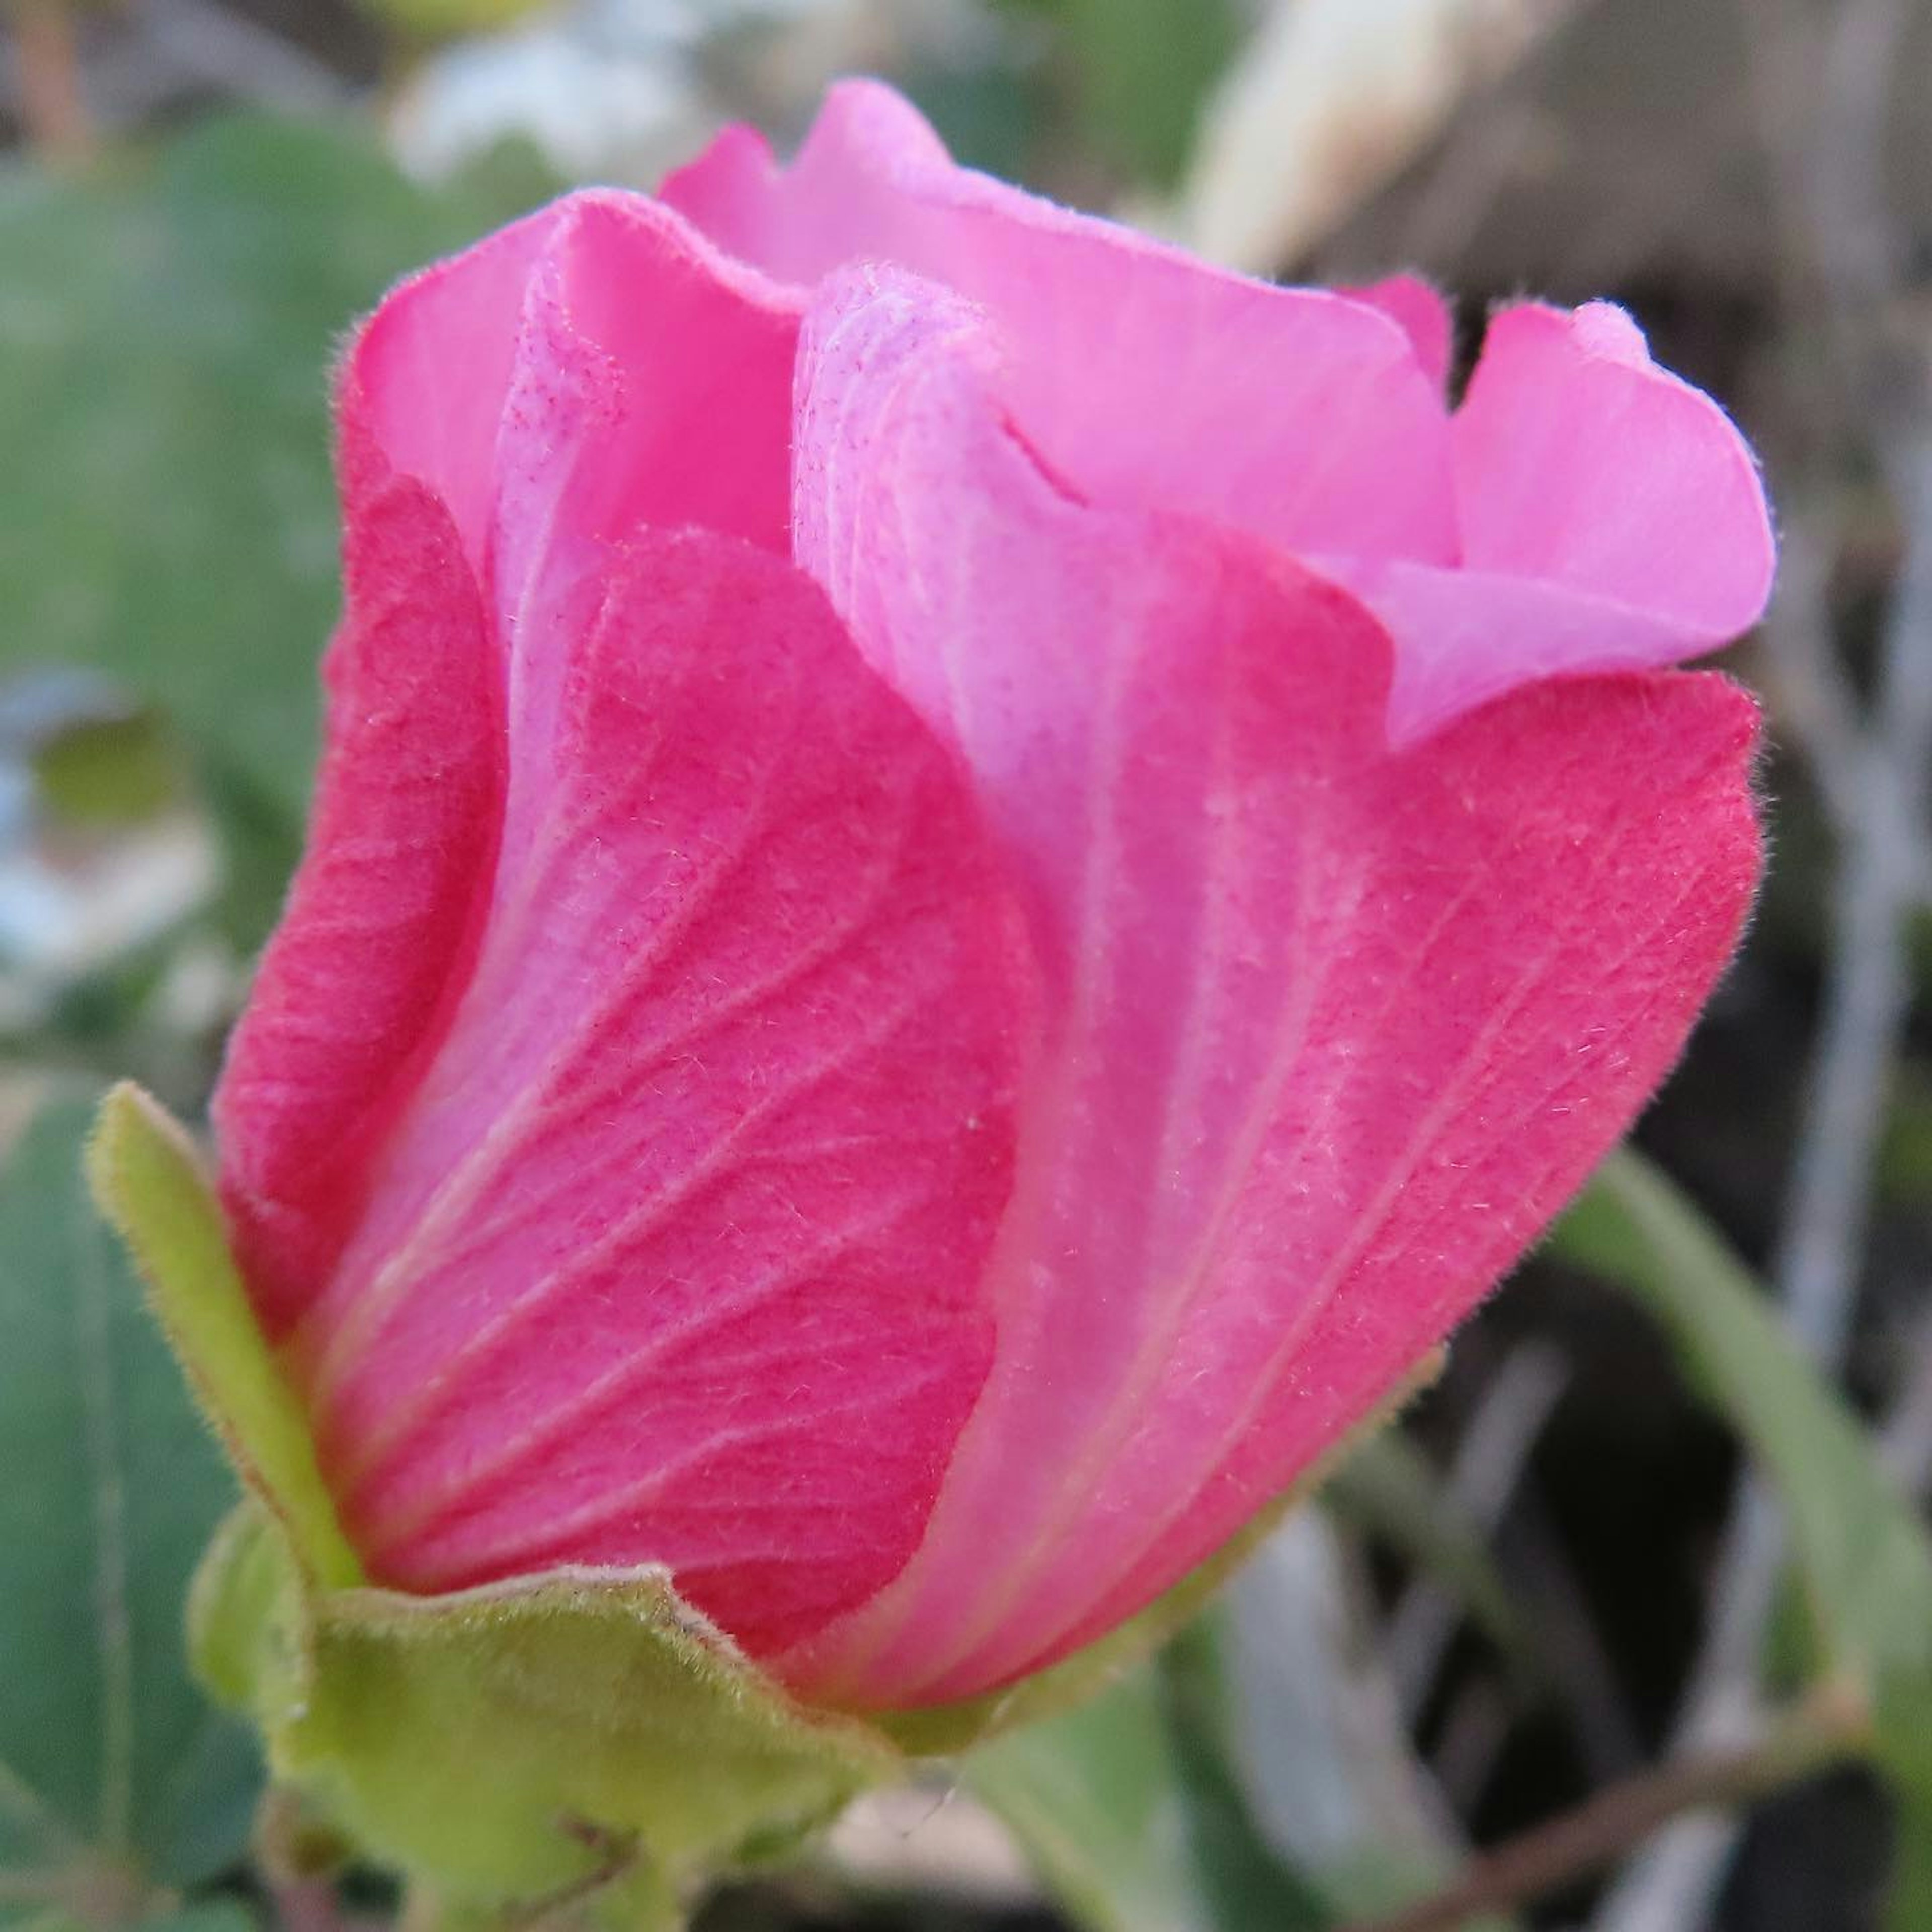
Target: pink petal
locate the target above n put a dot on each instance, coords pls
(1423, 317)
(355, 989)
(1611, 517)
(677, 1254)
(603, 325)
(1148, 377)
(650, 386)
(423, 380)
(1333, 1028)
(525, 404)
(1578, 459)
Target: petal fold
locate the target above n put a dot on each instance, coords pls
(1146, 376)
(604, 340)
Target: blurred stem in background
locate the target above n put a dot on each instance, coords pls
(1828, 1728)
(46, 54)
(1823, 84)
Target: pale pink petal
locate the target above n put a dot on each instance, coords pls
(1578, 459)
(677, 1254)
(1333, 1029)
(1611, 517)
(602, 341)
(424, 379)
(1144, 376)
(357, 986)
(650, 386)
(1424, 318)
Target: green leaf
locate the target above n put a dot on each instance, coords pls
(1862, 1554)
(1909, 1906)
(150, 1185)
(166, 322)
(1862, 1551)
(211, 1914)
(524, 1742)
(1142, 69)
(116, 1778)
(1251, 1887)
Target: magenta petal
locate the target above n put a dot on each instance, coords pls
(677, 1255)
(1301, 416)
(356, 987)
(1332, 1029)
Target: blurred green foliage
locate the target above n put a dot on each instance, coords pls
(1863, 1558)
(1136, 73)
(166, 325)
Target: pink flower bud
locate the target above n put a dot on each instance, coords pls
(971, 879)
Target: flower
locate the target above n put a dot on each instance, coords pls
(969, 880)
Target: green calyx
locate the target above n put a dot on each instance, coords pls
(575, 1738)
(526, 1743)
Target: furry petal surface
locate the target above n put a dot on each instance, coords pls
(356, 990)
(697, 1194)
(1581, 510)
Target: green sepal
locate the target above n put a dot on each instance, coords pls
(519, 1743)
(578, 1735)
(148, 1180)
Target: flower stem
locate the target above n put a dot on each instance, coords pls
(1827, 1728)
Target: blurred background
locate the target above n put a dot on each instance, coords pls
(1629, 1626)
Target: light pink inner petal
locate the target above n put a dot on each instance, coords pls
(677, 1255)
(1580, 461)
(425, 379)
(1148, 378)
(1332, 1029)
(1611, 519)
(1463, 637)
(595, 366)
(1423, 316)
(651, 385)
